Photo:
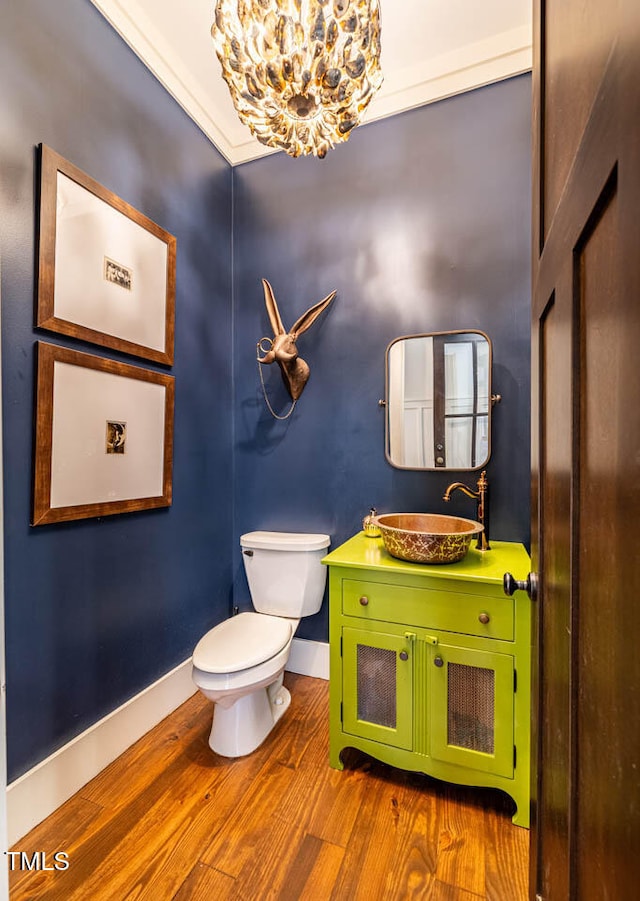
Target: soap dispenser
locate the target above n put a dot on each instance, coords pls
(369, 525)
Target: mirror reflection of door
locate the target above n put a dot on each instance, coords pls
(438, 401)
(462, 409)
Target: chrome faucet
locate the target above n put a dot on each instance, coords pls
(482, 509)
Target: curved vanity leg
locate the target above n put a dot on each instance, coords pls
(522, 815)
(335, 760)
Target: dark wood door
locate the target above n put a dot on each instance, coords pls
(586, 454)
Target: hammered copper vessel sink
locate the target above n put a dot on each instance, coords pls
(427, 537)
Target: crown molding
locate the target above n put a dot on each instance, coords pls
(472, 66)
(139, 32)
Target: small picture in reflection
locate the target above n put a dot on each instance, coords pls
(116, 437)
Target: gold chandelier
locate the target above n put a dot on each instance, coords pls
(301, 72)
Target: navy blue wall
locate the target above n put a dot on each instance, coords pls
(98, 609)
(422, 223)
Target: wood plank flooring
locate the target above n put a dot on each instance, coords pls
(171, 820)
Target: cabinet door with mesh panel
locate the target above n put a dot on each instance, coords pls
(378, 686)
(471, 719)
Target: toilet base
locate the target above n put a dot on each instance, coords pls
(241, 728)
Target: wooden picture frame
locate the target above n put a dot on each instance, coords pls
(106, 273)
(104, 436)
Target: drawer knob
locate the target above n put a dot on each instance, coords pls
(364, 600)
(484, 618)
(404, 655)
(438, 661)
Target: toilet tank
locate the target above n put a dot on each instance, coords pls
(284, 571)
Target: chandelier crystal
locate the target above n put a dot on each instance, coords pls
(301, 72)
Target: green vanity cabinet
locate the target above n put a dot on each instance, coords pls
(430, 665)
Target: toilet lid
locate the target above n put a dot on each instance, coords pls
(240, 642)
(285, 541)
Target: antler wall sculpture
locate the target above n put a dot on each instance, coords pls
(282, 348)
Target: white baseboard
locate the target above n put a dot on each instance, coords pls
(309, 658)
(36, 794)
(40, 791)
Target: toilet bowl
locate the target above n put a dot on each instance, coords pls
(239, 664)
(246, 685)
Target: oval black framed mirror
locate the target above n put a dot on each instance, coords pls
(438, 401)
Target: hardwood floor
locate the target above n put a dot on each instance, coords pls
(171, 820)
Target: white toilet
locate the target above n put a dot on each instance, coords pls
(240, 663)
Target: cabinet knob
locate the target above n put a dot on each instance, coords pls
(404, 655)
(438, 661)
(364, 600)
(484, 618)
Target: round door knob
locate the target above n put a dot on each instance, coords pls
(530, 585)
(364, 600)
(438, 661)
(484, 618)
(404, 655)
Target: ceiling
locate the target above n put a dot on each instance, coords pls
(430, 49)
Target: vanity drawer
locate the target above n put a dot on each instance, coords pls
(429, 608)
